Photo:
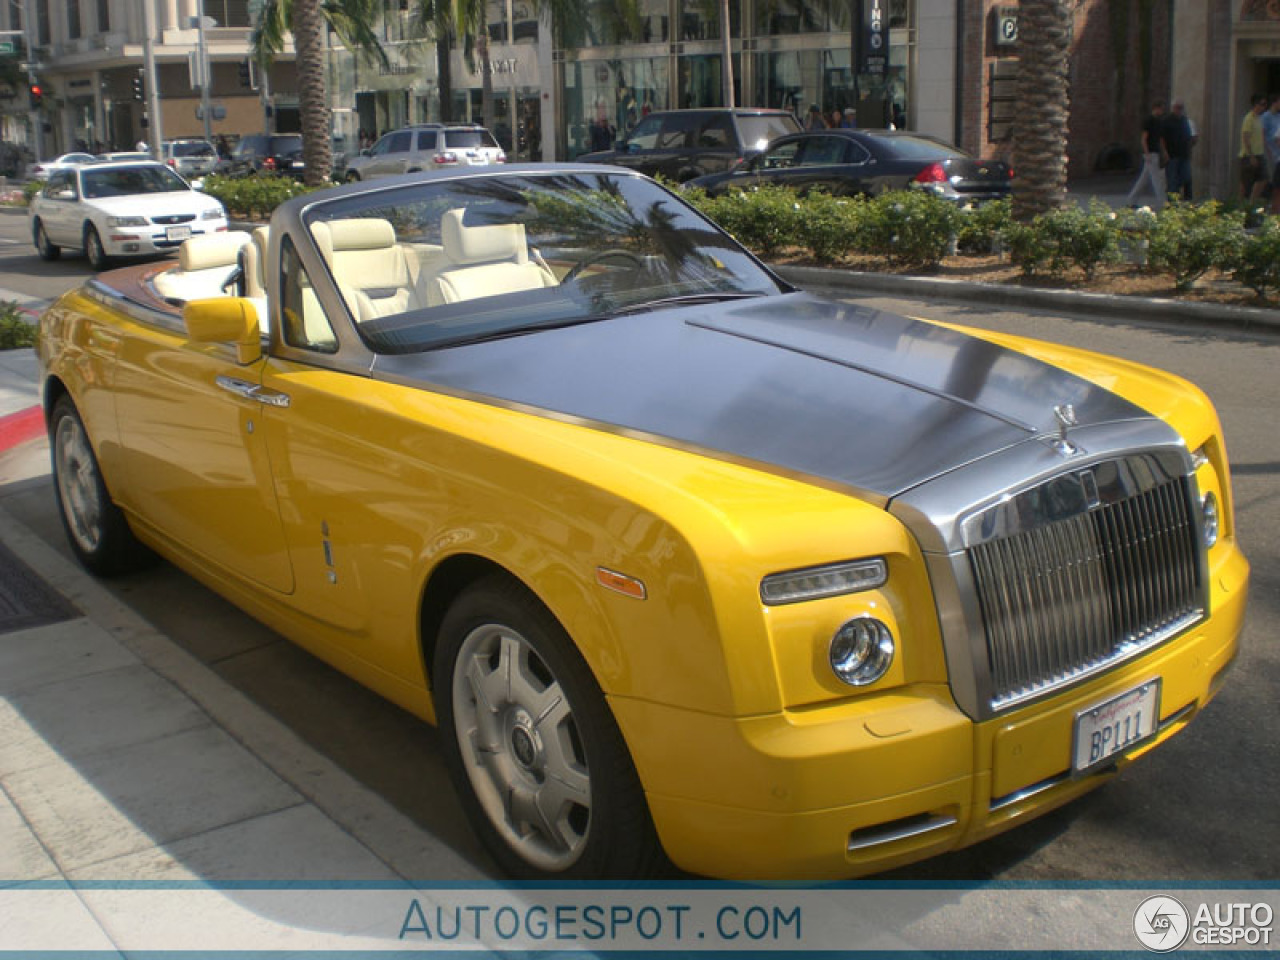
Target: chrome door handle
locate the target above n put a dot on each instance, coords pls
(252, 391)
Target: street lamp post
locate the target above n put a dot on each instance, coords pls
(205, 73)
(155, 128)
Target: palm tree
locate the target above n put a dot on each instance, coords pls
(1040, 128)
(353, 21)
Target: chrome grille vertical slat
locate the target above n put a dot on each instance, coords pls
(1061, 599)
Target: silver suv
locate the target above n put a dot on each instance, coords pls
(427, 146)
(190, 157)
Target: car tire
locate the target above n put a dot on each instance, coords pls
(353, 177)
(93, 249)
(96, 528)
(47, 250)
(538, 759)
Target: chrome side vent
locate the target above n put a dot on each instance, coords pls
(1070, 597)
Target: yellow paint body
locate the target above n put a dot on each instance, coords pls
(329, 518)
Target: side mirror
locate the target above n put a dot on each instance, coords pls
(197, 183)
(751, 160)
(367, 152)
(225, 320)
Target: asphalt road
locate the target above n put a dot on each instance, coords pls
(1203, 808)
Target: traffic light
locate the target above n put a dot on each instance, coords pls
(36, 93)
(138, 94)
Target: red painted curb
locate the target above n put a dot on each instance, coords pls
(20, 427)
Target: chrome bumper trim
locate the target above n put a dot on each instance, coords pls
(869, 837)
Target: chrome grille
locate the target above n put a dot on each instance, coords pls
(1062, 600)
(169, 219)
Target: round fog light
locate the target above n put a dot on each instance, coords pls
(861, 651)
(1209, 510)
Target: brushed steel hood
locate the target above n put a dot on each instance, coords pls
(839, 394)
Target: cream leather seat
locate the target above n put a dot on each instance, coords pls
(206, 263)
(366, 259)
(253, 261)
(483, 261)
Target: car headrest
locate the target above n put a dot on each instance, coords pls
(481, 244)
(208, 250)
(367, 233)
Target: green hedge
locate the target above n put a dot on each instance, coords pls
(916, 229)
(253, 198)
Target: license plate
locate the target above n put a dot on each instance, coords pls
(1115, 725)
(177, 233)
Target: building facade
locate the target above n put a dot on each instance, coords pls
(947, 69)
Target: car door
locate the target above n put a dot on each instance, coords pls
(60, 207)
(424, 156)
(195, 455)
(640, 148)
(391, 154)
(832, 163)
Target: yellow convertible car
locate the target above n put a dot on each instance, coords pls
(685, 564)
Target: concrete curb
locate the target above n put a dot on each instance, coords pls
(1095, 305)
(16, 428)
(406, 849)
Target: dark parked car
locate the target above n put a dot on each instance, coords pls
(869, 162)
(266, 153)
(683, 144)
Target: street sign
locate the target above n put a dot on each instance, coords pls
(7, 47)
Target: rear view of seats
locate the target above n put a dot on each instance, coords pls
(483, 261)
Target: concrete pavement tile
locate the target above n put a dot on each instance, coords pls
(86, 715)
(298, 844)
(42, 655)
(21, 856)
(50, 917)
(127, 800)
(26, 460)
(19, 376)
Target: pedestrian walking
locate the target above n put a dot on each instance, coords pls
(1154, 158)
(1253, 155)
(850, 121)
(1270, 127)
(815, 120)
(1180, 135)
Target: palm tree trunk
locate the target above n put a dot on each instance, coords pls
(313, 101)
(486, 73)
(444, 72)
(1040, 127)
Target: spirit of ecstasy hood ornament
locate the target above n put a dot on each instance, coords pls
(1065, 414)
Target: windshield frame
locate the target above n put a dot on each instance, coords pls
(418, 329)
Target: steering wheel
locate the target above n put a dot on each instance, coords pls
(613, 253)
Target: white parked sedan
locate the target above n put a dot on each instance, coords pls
(41, 170)
(120, 210)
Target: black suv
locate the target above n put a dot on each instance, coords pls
(683, 144)
(266, 153)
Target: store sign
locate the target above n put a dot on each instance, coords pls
(874, 55)
(1006, 26)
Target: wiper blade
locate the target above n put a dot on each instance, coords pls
(507, 332)
(685, 299)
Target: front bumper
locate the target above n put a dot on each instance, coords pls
(152, 239)
(872, 783)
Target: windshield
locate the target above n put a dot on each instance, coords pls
(919, 148)
(282, 146)
(440, 263)
(193, 148)
(460, 139)
(758, 131)
(126, 181)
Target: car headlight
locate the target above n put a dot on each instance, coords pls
(127, 221)
(217, 213)
(1209, 512)
(861, 651)
(832, 580)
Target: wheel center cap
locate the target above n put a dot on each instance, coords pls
(523, 747)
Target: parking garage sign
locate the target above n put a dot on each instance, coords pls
(875, 37)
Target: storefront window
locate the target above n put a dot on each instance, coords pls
(610, 23)
(700, 19)
(604, 100)
(701, 82)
